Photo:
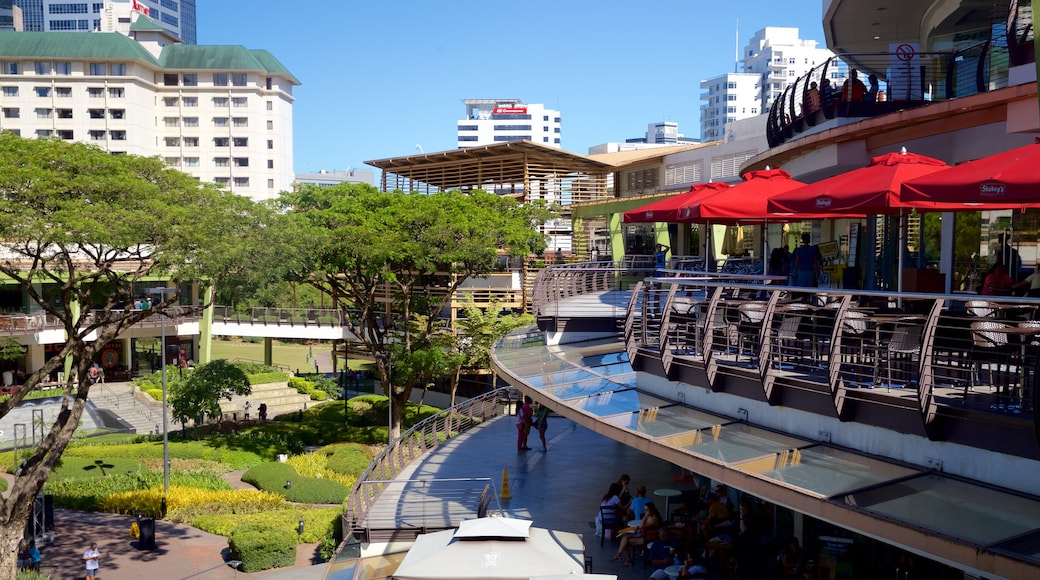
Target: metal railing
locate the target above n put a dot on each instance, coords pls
(923, 352)
(279, 316)
(885, 82)
(422, 437)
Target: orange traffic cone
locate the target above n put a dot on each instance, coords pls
(505, 483)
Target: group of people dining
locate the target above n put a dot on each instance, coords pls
(707, 533)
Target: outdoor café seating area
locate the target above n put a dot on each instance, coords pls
(951, 350)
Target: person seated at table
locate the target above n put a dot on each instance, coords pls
(997, 281)
(691, 568)
(625, 495)
(639, 501)
(717, 521)
(1031, 283)
(647, 531)
(611, 500)
(661, 553)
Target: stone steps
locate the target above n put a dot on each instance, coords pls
(280, 398)
(143, 415)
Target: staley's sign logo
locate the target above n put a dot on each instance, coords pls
(823, 202)
(992, 188)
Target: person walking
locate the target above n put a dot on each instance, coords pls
(541, 422)
(524, 416)
(34, 556)
(91, 556)
(245, 410)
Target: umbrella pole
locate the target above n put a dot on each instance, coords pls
(902, 250)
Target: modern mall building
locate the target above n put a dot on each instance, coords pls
(900, 425)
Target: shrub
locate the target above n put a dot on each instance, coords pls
(317, 522)
(262, 548)
(329, 386)
(148, 501)
(317, 395)
(89, 493)
(348, 459)
(153, 393)
(301, 385)
(274, 476)
(268, 377)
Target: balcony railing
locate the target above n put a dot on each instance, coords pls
(422, 437)
(886, 82)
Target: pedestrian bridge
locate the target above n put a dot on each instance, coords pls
(308, 323)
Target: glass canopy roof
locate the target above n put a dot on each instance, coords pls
(596, 378)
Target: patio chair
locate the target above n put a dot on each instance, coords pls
(749, 328)
(904, 343)
(990, 349)
(611, 521)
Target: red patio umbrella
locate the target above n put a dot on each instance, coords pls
(669, 208)
(873, 189)
(746, 201)
(1005, 180)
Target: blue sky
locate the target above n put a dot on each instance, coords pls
(379, 78)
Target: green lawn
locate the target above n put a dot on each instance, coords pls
(293, 356)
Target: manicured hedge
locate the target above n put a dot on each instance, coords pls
(348, 459)
(262, 548)
(273, 477)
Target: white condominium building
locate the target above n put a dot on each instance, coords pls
(773, 58)
(220, 113)
(491, 121)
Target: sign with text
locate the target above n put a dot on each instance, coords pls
(904, 72)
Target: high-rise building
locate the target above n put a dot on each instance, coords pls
(772, 58)
(220, 113)
(491, 121)
(174, 16)
(728, 98)
(779, 57)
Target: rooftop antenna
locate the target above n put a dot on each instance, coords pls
(420, 149)
(736, 48)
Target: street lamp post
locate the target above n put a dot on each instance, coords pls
(165, 412)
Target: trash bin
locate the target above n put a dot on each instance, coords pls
(146, 526)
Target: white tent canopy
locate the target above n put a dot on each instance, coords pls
(493, 550)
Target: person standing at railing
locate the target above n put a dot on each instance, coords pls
(811, 101)
(873, 91)
(853, 90)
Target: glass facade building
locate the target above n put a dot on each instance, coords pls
(176, 16)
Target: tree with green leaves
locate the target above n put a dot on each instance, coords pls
(478, 331)
(80, 232)
(199, 395)
(385, 257)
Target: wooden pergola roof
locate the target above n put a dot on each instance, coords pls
(512, 166)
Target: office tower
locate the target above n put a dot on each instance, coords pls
(175, 16)
(490, 121)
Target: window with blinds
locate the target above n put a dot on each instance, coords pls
(728, 166)
(681, 173)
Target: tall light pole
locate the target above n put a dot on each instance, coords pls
(165, 412)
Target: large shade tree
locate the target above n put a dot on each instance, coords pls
(385, 258)
(80, 231)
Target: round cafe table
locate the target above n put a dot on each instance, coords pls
(673, 571)
(667, 493)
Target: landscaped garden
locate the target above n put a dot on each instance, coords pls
(324, 457)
